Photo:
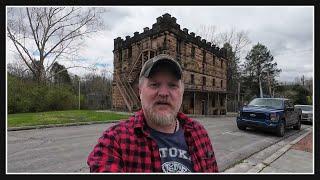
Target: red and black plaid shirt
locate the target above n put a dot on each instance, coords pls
(128, 147)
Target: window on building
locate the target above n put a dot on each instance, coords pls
(213, 102)
(192, 79)
(214, 59)
(120, 55)
(145, 56)
(213, 82)
(221, 83)
(193, 50)
(221, 101)
(203, 80)
(151, 54)
(191, 102)
(204, 56)
(178, 48)
(130, 52)
(124, 55)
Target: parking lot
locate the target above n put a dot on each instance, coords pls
(65, 149)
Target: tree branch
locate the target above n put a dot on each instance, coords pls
(20, 54)
(32, 29)
(59, 53)
(65, 70)
(11, 36)
(66, 36)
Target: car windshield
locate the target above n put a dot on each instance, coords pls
(305, 108)
(273, 103)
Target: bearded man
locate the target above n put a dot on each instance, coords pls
(158, 138)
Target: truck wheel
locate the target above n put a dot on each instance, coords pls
(241, 127)
(280, 130)
(298, 125)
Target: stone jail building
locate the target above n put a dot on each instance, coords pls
(204, 67)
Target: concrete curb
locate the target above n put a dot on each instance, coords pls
(211, 116)
(98, 122)
(59, 125)
(259, 167)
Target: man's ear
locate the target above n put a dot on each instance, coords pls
(139, 87)
(182, 85)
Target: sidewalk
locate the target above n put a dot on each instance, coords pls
(290, 155)
(298, 159)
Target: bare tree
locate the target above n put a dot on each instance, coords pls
(237, 39)
(18, 70)
(43, 35)
(234, 41)
(209, 32)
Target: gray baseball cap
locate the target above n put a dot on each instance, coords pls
(161, 59)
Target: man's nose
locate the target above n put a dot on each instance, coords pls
(163, 91)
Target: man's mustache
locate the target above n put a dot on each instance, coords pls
(163, 102)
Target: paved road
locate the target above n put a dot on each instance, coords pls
(65, 149)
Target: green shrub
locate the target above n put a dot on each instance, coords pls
(29, 96)
(17, 95)
(61, 98)
(309, 100)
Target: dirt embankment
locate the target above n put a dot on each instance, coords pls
(305, 144)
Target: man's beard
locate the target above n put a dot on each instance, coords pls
(160, 119)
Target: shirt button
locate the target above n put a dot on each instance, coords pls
(209, 154)
(191, 149)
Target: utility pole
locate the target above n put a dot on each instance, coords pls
(261, 93)
(238, 94)
(79, 93)
(304, 88)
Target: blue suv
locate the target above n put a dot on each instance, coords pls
(274, 114)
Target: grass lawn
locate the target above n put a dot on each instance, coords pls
(61, 117)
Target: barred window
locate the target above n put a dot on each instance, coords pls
(192, 79)
(193, 50)
(214, 59)
(130, 52)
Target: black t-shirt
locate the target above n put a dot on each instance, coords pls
(173, 151)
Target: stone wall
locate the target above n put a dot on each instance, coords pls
(117, 99)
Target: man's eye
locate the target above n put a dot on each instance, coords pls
(173, 85)
(154, 84)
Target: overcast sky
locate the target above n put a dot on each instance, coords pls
(286, 31)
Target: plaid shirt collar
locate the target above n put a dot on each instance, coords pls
(140, 125)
